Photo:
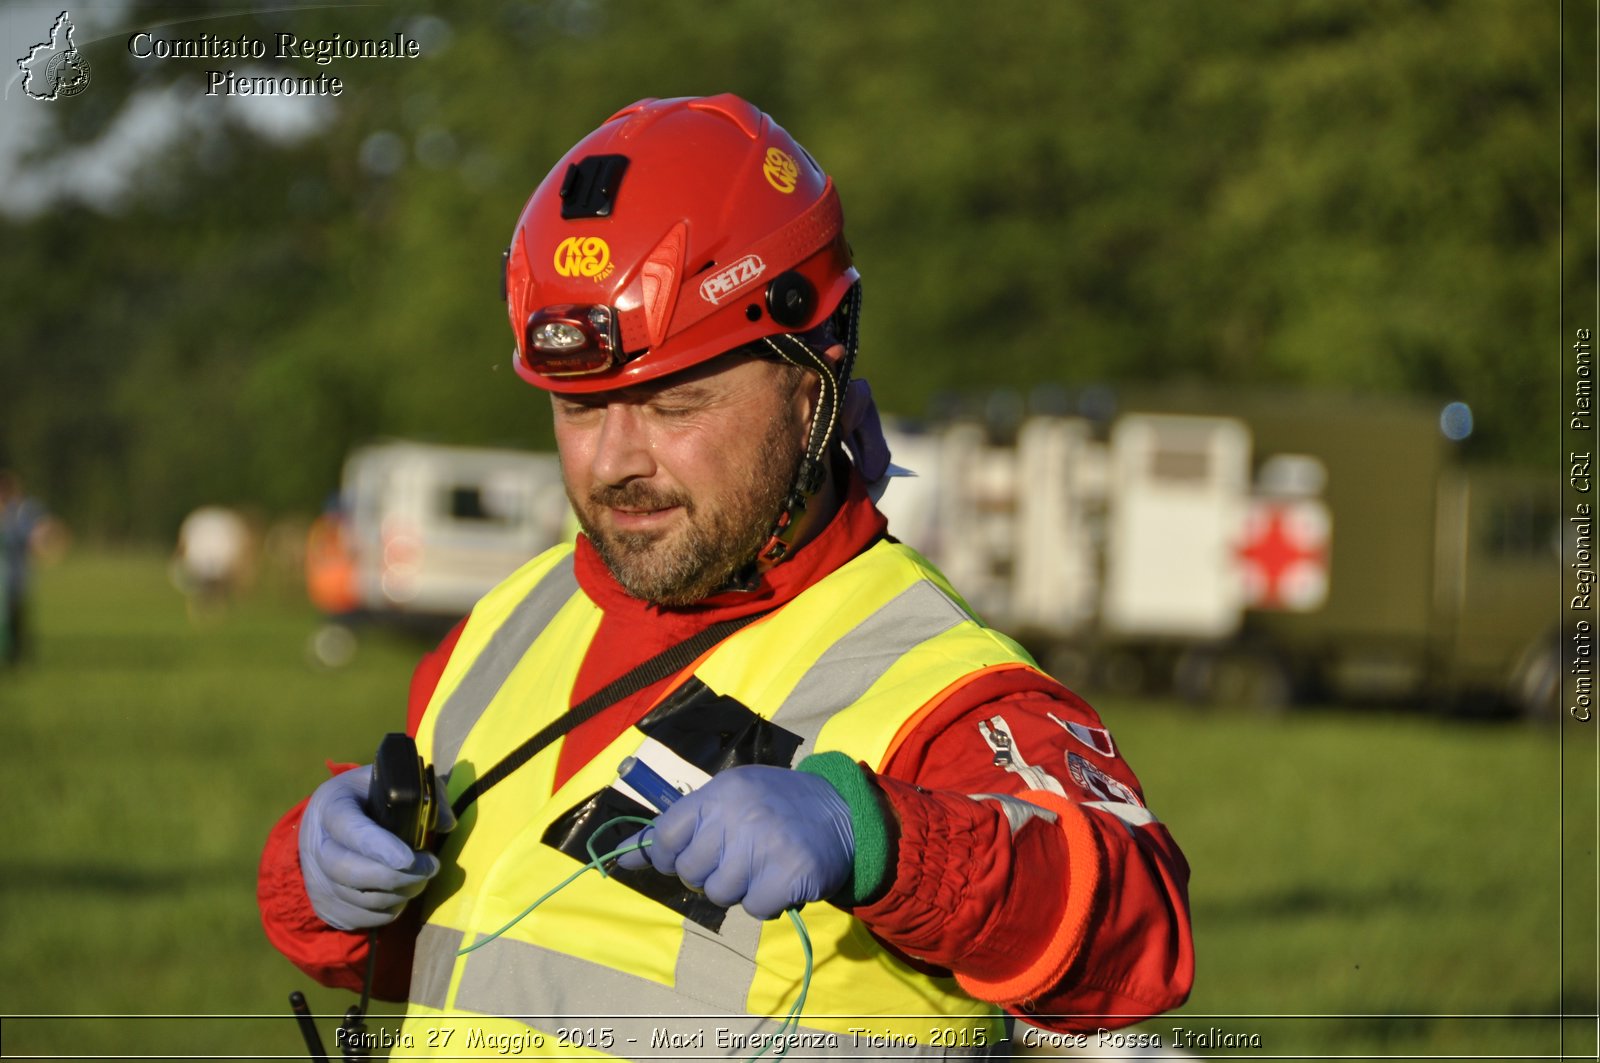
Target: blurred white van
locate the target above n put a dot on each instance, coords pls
(421, 532)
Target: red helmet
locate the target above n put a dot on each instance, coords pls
(677, 231)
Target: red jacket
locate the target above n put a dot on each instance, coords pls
(1078, 923)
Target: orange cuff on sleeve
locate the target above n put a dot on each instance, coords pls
(1084, 862)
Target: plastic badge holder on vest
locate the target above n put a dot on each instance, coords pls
(711, 732)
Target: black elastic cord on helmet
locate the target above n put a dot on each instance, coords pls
(824, 421)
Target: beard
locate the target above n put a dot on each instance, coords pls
(719, 535)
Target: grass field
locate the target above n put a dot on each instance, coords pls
(1398, 878)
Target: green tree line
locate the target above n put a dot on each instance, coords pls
(1356, 195)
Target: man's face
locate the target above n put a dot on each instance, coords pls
(677, 482)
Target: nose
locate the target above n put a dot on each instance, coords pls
(622, 449)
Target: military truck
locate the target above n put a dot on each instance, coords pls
(1255, 550)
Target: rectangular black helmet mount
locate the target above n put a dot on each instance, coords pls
(590, 188)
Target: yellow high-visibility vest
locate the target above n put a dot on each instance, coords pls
(603, 970)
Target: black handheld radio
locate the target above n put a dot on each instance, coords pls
(400, 799)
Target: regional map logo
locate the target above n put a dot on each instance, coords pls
(56, 68)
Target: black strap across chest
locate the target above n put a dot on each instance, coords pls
(664, 664)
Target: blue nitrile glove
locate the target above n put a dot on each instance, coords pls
(768, 838)
(357, 874)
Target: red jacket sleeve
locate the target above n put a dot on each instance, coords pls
(1055, 894)
(333, 957)
(336, 958)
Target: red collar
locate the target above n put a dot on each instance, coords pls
(851, 530)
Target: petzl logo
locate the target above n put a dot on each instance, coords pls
(583, 256)
(725, 282)
(55, 69)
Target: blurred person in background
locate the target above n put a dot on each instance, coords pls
(333, 585)
(825, 723)
(332, 578)
(26, 531)
(213, 560)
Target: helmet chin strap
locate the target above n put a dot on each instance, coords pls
(813, 470)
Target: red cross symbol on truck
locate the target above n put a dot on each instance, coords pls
(1285, 555)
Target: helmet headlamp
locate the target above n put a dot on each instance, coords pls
(571, 340)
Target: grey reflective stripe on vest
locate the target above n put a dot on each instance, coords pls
(486, 675)
(848, 668)
(432, 963)
(544, 988)
(721, 965)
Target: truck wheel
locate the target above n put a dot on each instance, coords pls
(1233, 677)
(1122, 673)
(1192, 675)
(1070, 665)
(1252, 679)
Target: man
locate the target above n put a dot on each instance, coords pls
(211, 562)
(25, 530)
(837, 733)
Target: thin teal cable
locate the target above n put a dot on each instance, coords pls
(596, 861)
(791, 1021)
(595, 864)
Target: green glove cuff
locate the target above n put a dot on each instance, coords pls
(866, 821)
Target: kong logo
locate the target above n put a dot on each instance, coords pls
(583, 256)
(780, 170)
(726, 281)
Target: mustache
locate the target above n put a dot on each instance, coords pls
(636, 495)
